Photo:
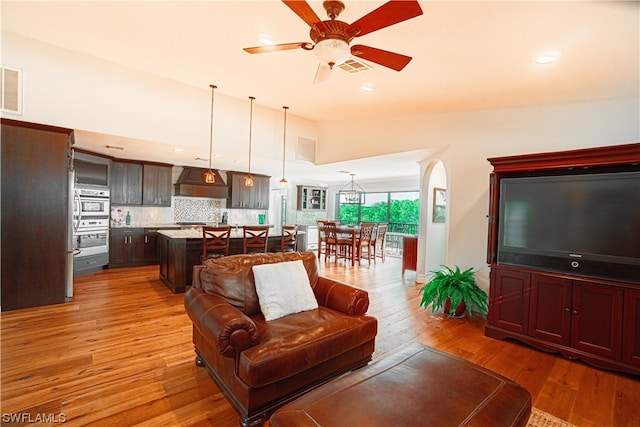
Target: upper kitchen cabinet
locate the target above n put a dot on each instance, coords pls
(156, 184)
(242, 197)
(126, 183)
(37, 263)
(135, 183)
(312, 198)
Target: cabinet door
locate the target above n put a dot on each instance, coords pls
(118, 249)
(597, 319)
(126, 183)
(509, 302)
(239, 193)
(550, 314)
(156, 190)
(151, 251)
(631, 328)
(260, 193)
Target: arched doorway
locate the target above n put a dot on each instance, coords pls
(433, 223)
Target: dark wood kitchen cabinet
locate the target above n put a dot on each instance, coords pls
(126, 246)
(136, 183)
(134, 246)
(126, 183)
(156, 185)
(36, 257)
(255, 197)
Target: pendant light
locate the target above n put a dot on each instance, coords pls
(248, 180)
(351, 192)
(209, 176)
(283, 181)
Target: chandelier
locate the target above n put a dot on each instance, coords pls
(351, 192)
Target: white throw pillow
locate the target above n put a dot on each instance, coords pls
(283, 288)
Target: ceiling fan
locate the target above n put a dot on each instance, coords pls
(331, 38)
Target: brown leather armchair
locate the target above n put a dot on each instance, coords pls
(260, 365)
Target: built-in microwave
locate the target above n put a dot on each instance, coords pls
(91, 202)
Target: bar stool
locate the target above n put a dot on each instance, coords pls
(288, 238)
(255, 238)
(215, 242)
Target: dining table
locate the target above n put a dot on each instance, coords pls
(353, 231)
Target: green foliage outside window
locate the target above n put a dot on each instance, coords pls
(398, 210)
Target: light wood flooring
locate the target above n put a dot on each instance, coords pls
(120, 354)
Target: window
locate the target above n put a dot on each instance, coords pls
(400, 209)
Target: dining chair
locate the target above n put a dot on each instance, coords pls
(336, 245)
(379, 240)
(255, 238)
(363, 241)
(322, 242)
(215, 242)
(288, 238)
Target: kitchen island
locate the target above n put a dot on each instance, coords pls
(180, 250)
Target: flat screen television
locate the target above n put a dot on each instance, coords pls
(583, 224)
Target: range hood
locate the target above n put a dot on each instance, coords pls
(190, 183)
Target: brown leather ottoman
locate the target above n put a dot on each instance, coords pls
(417, 386)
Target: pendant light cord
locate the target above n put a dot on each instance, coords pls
(250, 127)
(213, 89)
(284, 143)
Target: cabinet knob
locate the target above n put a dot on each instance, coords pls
(567, 309)
(575, 311)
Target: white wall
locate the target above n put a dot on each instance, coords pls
(465, 140)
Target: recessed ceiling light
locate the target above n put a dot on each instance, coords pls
(547, 58)
(178, 149)
(368, 88)
(265, 40)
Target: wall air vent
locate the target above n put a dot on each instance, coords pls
(11, 90)
(306, 151)
(353, 66)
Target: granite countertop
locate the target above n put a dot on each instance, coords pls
(196, 233)
(148, 225)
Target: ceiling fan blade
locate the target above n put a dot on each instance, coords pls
(388, 14)
(274, 48)
(392, 60)
(304, 11)
(323, 74)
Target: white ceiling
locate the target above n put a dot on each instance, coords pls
(467, 56)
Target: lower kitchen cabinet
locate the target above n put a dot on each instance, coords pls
(134, 246)
(126, 246)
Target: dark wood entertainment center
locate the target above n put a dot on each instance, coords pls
(594, 319)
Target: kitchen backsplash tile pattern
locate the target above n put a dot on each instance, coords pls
(187, 209)
(184, 209)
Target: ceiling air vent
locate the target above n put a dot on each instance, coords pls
(11, 90)
(306, 151)
(353, 66)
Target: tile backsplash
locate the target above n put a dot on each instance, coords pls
(184, 209)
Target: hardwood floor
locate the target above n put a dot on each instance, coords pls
(121, 354)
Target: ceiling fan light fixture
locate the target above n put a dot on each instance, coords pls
(332, 52)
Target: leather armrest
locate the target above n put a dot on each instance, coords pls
(341, 296)
(230, 329)
(195, 279)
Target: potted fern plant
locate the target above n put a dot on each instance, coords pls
(454, 290)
